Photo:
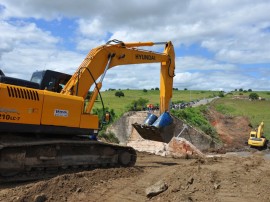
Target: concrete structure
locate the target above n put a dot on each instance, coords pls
(187, 141)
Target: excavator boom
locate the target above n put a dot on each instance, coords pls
(111, 55)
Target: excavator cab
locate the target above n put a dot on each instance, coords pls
(50, 80)
(47, 79)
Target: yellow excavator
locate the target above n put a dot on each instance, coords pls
(256, 138)
(47, 124)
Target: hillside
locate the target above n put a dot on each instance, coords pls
(119, 104)
(255, 111)
(230, 105)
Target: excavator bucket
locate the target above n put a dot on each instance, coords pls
(156, 129)
(153, 133)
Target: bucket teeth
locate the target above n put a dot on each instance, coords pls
(155, 134)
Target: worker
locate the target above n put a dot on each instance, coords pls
(107, 117)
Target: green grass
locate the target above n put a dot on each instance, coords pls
(256, 111)
(119, 104)
(263, 94)
(195, 116)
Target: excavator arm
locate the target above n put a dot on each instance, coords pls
(260, 130)
(104, 57)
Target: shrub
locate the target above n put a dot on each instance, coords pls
(137, 105)
(221, 94)
(253, 96)
(195, 117)
(119, 94)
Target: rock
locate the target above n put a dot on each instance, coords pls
(79, 190)
(156, 189)
(40, 198)
(190, 180)
(216, 186)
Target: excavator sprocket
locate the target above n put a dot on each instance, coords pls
(28, 158)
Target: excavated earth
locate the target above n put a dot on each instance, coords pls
(232, 130)
(221, 177)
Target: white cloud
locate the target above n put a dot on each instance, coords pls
(23, 61)
(199, 63)
(22, 34)
(234, 33)
(219, 81)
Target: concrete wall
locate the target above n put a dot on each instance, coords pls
(126, 133)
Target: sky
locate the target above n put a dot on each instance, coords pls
(219, 44)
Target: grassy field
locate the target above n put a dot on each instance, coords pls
(256, 111)
(263, 94)
(119, 104)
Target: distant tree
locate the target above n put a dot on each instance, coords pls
(152, 89)
(119, 94)
(240, 89)
(253, 96)
(249, 90)
(175, 88)
(221, 94)
(144, 90)
(138, 104)
(156, 88)
(185, 88)
(235, 89)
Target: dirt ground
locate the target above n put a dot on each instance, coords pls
(226, 177)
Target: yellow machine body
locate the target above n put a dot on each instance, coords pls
(256, 138)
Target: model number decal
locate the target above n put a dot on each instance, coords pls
(60, 112)
(8, 117)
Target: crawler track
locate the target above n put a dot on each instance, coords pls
(31, 159)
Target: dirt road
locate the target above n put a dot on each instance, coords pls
(212, 179)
